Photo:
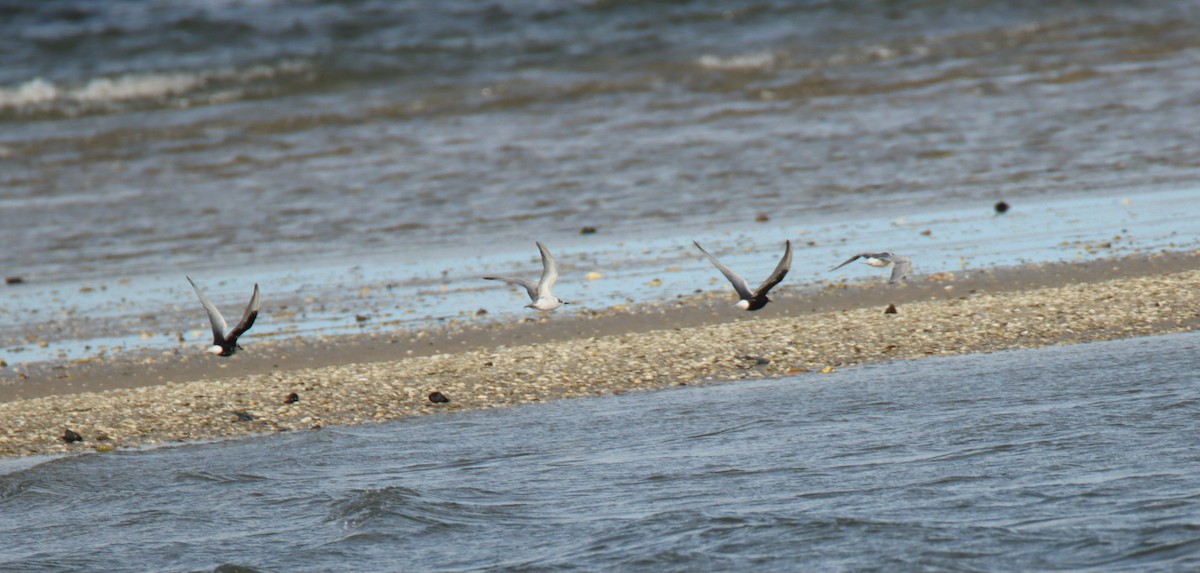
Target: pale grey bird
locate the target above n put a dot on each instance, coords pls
(756, 299)
(901, 265)
(225, 343)
(540, 292)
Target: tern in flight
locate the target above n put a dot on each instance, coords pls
(756, 299)
(540, 292)
(901, 265)
(225, 343)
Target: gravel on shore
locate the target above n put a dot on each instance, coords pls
(588, 366)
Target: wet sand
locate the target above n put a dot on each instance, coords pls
(119, 403)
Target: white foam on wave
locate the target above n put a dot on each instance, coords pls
(33, 92)
(136, 87)
(740, 63)
(41, 93)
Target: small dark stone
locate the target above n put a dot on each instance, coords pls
(291, 398)
(243, 416)
(14, 280)
(69, 436)
(587, 231)
(891, 309)
(438, 398)
(1001, 207)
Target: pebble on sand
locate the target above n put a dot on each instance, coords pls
(758, 360)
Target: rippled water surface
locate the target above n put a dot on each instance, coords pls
(142, 137)
(1078, 458)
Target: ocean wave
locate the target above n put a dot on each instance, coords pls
(120, 92)
(741, 63)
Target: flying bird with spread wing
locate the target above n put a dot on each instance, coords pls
(901, 265)
(225, 339)
(757, 298)
(540, 292)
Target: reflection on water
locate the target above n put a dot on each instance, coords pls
(1057, 459)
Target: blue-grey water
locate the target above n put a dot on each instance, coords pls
(150, 137)
(1079, 458)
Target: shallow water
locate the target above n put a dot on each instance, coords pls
(1076, 458)
(411, 289)
(154, 137)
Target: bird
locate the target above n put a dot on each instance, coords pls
(225, 343)
(540, 292)
(901, 265)
(756, 299)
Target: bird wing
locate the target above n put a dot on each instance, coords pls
(214, 315)
(530, 286)
(901, 268)
(549, 273)
(739, 283)
(849, 260)
(781, 270)
(247, 317)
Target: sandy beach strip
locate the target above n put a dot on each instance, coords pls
(694, 341)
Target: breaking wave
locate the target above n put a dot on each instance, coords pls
(154, 89)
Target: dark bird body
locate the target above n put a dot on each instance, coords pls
(757, 298)
(225, 343)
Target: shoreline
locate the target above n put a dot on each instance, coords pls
(381, 377)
